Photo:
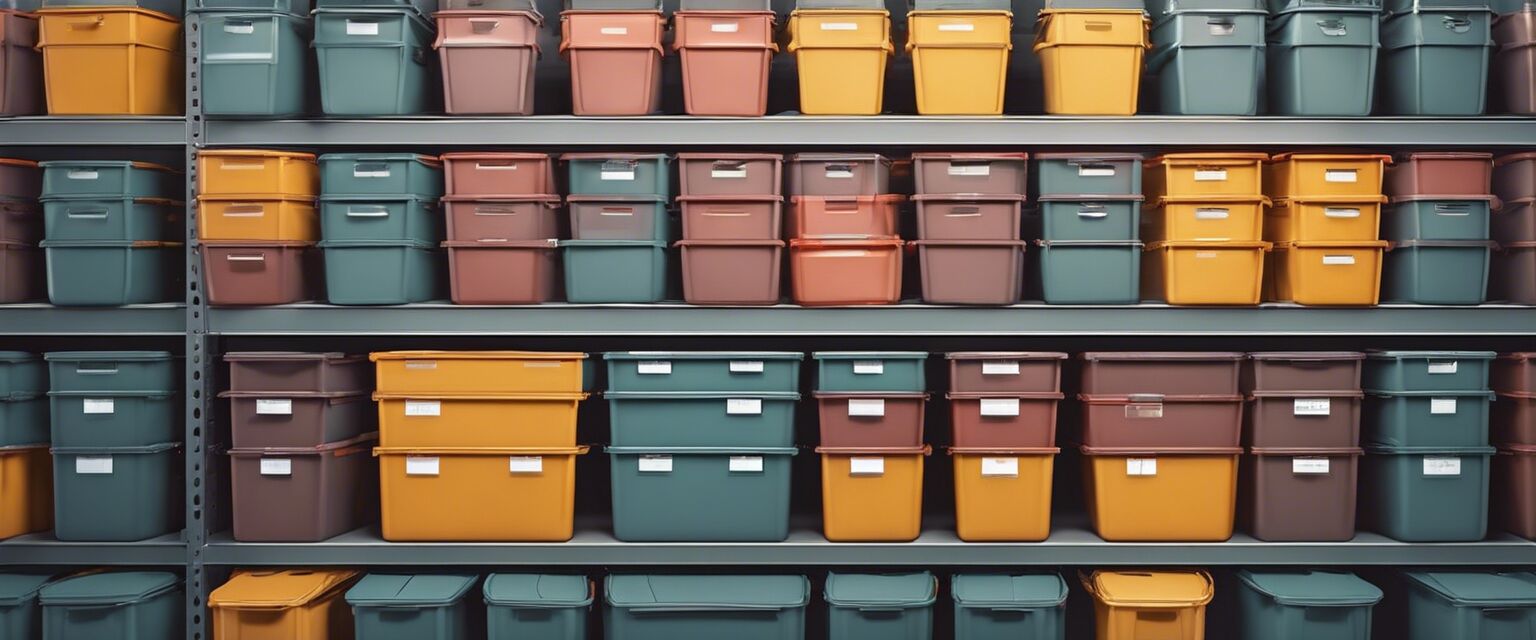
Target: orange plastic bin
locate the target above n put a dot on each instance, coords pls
(845, 272)
(478, 371)
(872, 494)
(1324, 219)
(1003, 495)
(1177, 175)
(1091, 60)
(477, 494)
(1204, 273)
(1161, 495)
(1291, 175)
(532, 420)
(118, 60)
(488, 60)
(26, 490)
(1149, 605)
(251, 172)
(615, 61)
(1204, 218)
(283, 604)
(841, 54)
(1327, 273)
(725, 57)
(250, 218)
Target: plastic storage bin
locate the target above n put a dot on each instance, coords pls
(844, 217)
(1090, 272)
(302, 494)
(845, 272)
(1325, 605)
(240, 173)
(680, 494)
(1092, 60)
(254, 63)
(871, 419)
(20, 614)
(530, 605)
(381, 174)
(854, 371)
(1003, 420)
(692, 370)
(498, 173)
(1162, 494)
(1325, 219)
(257, 272)
(1129, 605)
(1003, 495)
(362, 272)
(1155, 420)
(1514, 468)
(1322, 62)
(222, 218)
(27, 504)
(725, 58)
(109, 179)
(1314, 175)
(974, 173)
(872, 495)
(502, 218)
(732, 217)
(1427, 494)
(839, 174)
(112, 418)
(1322, 419)
(608, 271)
(1436, 271)
(1428, 370)
(477, 420)
(1515, 61)
(841, 54)
(725, 272)
(1447, 604)
(880, 605)
(1002, 607)
(475, 46)
(133, 56)
(72, 218)
(116, 494)
(373, 62)
(702, 418)
(267, 604)
(1327, 273)
(490, 372)
(430, 607)
(959, 60)
(296, 418)
(1194, 47)
(280, 371)
(133, 605)
(1204, 218)
(1303, 495)
(1163, 372)
(455, 493)
(408, 219)
(1428, 418)
(1435, 62)
(1073, 174)
(1457, 173)
(21, 65)
(730, 174)
(949, 271)
(1179, 175)
(703, 607)
(968, 217)
(1511, 272)
(618, 174)
(614, 218)
(98, 371)
(615, 59)
(530, 271)
(1436, 217)
(1204, 273)
(1005, 371)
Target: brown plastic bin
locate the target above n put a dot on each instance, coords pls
(966, 217)
(987, 272)
(499, 173)
(328, 372)
(22, 276)
(615, 60)
(1299, 371)
(503, 272)
(726, 272)
(488, 60)
(839, 174)
(1512, 273)
(1003, 420)
(484, 217)
(871, 419)
(1514, 372)
(1291, 420)
(254, 272)
(1000, 174)
(1514, 176)
(303, 494)
(1513, 418)
(1166, 372)
(1300, 495)
(731, 217)
(1514, 490)
(1005, 371)
(261, 419)
(845, 272)
(730, 174)
(844, 216)
(1514, 221)
(1157, 421)
(21, 221)
(1440, 173)
(725, 56)
(20, 179)
(21, 65)
(1514, 36)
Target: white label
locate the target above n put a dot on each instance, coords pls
(655, 464)
(616, 175)
(1340, 212)
(1221, 28)
(1000, 367)
(274, 407)
(957, 27)
(746, 464)
(1309, 466)
(1434, 466)
(423, 408)
(746, 366)
(868, 367)
(1000, 467)
(421, 465)
(240, 29)
(1210, 175)
(525, 464)
(728, 174)
(867, 407)
(362, 28)
(724, 27)
(743, 406)
(1212, 214)
(93, 465)
(1205, 255)
(1144, 410)
(999, 406)
(866, 466)
(1442, 406)
(417, 365)
(97, 406)
(839, 26)
(978, 169)
(1095, 171)
(654, 368)
(1341, 175)
(82, 174)
(840, 173)
(614, 31)
(1311, 407)
(1141, 466)
(276, 467)
(1339, 260)
(1438, 368)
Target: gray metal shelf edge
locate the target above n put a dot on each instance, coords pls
(42, 549)
(165, 131)
(45, 319)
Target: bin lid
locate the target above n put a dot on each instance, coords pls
(541, 591)
(1312, 588)
(117, 587)
(341, 448)
(1089, 198)
(700, 395)
(1307, 356)
(1005, 355)
(1501, 160)
(1382, 450)
(706, 593)
(838, 157)
(567, 157)
(376, 244)
(1442, 155)
(376, 157)
(1431, 197)
(1150, 588)
(1208, 156)
(1090, 157)
(16, 588)
(701, 451)
(1432, 355)
(107, 244)
(703, 355)
(613, 243)
(1283, 202)
(1162, 355)
(277, 589)
(116, 451)
(124, 164)
(970, 156)
(1519, 355)
(899, 591)
(1477, 589)
(1413, 244)
(262, 356)
(17, 162)
(495, 155)
(730, 156)
(394, 590)
(118, 356)
(1030, 591)
(1464, 393)
(381, 356)
(17, 356)
(254, 153)
(870, 355)
(1301, 155)
(1160, 451)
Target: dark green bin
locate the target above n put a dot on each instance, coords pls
(381, 272)
(380, 174)
(1427, 418)
(700, 494)
(421, 7)
(116, 494)
(1427, 370)
(125, 218)
(23, 419)
(616, 174)
(22, 372)
(1435, 63)
(254, 63)
(1416, 494)
(113, 418)
(112, 371)
(1436, 272)
(1442, 605)
(1425, 218)
(703, 370)
(705, 607)
(375, 62)
(109, 179)
(413, 607)
(20, 616)
(702, 418)
(522, 606)
(1085, 217)
(1073, 174)
(870, 370)
(614, 271)
(1281, 604)
(295, 7)
(880, 606)
(1322, 62)
(404, 218)
(1209, 62)
(1004, 607)
(1087, 272)
(111, 273)
(121, 605)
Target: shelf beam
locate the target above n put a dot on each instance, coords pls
(45, 319)
(43, 549)
(159, 131)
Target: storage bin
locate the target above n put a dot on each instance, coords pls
(1515, 60)
(1096, 174)
(646, 371)
(1512, 274)
(1428, 370)
(1514, 174)
(1164, 372)
(498, 173)
(1003, 607)
(113, 418)
(102, 371)
(302, 494)
(971, 173)
(1443, 604)
(615, 59)
(1091, 60)
(373, 62)
(386, 174)
(609, 271)
(1003, 420)
(732, 272)
(1204, 273)
(950, 269)
(1180, 175)
(1003, 495)
(1457, 173)
(21, 616)
(107, 179)
(21, 273)
(295, 7)
(431, 607)
(1129, 605)
(426, 420)
(1435, 62)
(1204, 218)
(1515, 223)
(381, 272)
(871, 419)
(967, 217)
(531, 606)
(1427, 418)
(731, 218)
(1156, 421)
(27, 502)
(1004, 372)
(258, 272)
(116, 494)
(1514, 418)
(297, 419)
(703, 607)
(1325, 219)
(255, 62)
(702, 418)
(468, 494)
(1315, 175)
(1433, 217)
(839, 174)
(1327, 273)
(872, 495)
(22, 374)
(1320, 419)
(853, 371)
(841, 54)
(288, 219)
(78, 272)
(1300, 495)
(959, 60)
(1436, 271)
(74, 218)
(167, 7)
(725, 58)
(700, 494)
(21, 65)
(1302, 603)
(476, 46)
(502, 218)
(1195, 47)
(845, 272)
(20, 179)
(1418, 494)
(133, 605)
(227, 174)
(615, 218)
(21, 222)
(134, 57)
(1321, 61)
(484, 372)
(1095, 218)
(755, 175)
(1514, 469)
(409, 219)
(23, 419)
(619, 174)
(1163, 494)
(292, 371)
(1090, 272)
(268, 604)
(494, 272)
(1514, 372)
(880, 605)
(845, 217)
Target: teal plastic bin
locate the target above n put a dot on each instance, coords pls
(1427, 418)
(1087, 272)
(125, 218)
(522, 606)
(23, 419)
(380, 174)
(696, 494)
(1394, 7)
(614, 174)
(702, 418)
(20, 616)
(1004, 607)
(1436, 272)
(705, 607)
(1427, 370)
(381, 218)
(1463, 604)
(1281, 604)
(254, 63)
(1435, 63)
(703, 370)
(1164, 7)
(1209, 62)
(1437, 218)
(1085, 217)
(413, 607)
(116, 494)
(1322, 62)
(613, 271)
(295, 7)
(421, 7)
(1284, 6)
(109, 178)
(113, 418)
(1417, 494)
(121, 605)
(111, 273)
(381, 272)
(870, 370)
(375, 62)
(1073, 174)
(22, 372)
(112, 371)
(875, 606)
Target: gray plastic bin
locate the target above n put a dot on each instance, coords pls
(1427, 370)
(1427, 494)
(22, 372)
(116, 494)
(520, 606)
(703, 370)
(1165, 7)
(705, 607)
(109, 179)
(73, 218)
(1087, 272)
(122, 605)
(1277, 7)
(413, 607)
(292, 7)
(1436, 272)
(419, 7)
(255, 63)
(110, 273)
(20, 615)
(1209, 62)
(1322, 62)
(1009, 607)
(1482, 605)
(869, 606)
(619, 174)
(364, 272)
(404, 218)
(1287, 604)
(1104, 218)
(380, 174)
(113, 418)
(1393, 7)
(1427, 418)
(1435, 63)
(870, 370)
(375, 62)
(598, 271)
(112, 371)
(697, 494)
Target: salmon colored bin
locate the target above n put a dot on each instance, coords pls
(725, 55)
(841, 55)
(503, 272)
(111, 61)
(845, 272)
(257, 218)
(1148, 605)
(959, 60)
(442, 420)
(478, 371)
(1178, 175)
(477, 494)
(488, 59)
(872, 494)
(1291, 175)
(1204, 273)
(1161, 495)
(615, 61)
(1003, 420)
(283, 604)
(247, 172)
(871, 419)
(1219, 218)
(1003, 495)
(26, 490)
(1327, 273)
(844, 216)
(499, 174)
(732, 271)
(1091, 60)
(1324, 219)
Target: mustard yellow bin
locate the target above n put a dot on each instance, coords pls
(1091, 60)
(1324, 219)
(1338, 273)
(872, 494)
(1294, 175)
(1143, 605)
(255, 218)
(1203, 273)
(1212, 218)
(1167, 495)
(842, 56)
(252, 172)
(512, 420)
(472, 372)
(466, 494)
(1003, 495)
(1177, 175)
(959, 60)
(26, 490)
(119, 60)
(283, 604)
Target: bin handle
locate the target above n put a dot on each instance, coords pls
(1098, 25)
(726, 212)
(1452, 209)
(1092, 211)
(1332, 28)
(367, 211)
(964, 212)
(249, 257)
(96, 370)
(93, 22)
(245, 210)
(495, 211)
(840, 204)
(617, 211)
(92, 213)
(484, 25)
(1341, 212)
(1146, 397)
(1456, 24)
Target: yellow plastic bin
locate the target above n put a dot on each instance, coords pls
(248, 218)
(872, 494)
(477, 494)
(1148, 605)
(118, 60)
(478, 371)
(249, 172)
(1204, 218)
(842, 56)
(959, 60)
(441, 420)
(1162, 495)
(1003, 495)
(1203, 273)
(1091, 60)
(283, 604)
(1292, 175)
(26, 490)
(1177, 175)
(1327, 218)
(1340, 273)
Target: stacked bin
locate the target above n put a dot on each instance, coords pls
(26, 503)
(108, 232)
(504, 226)
(1461, 604)
(380, 227)
(732, 248)
(702, 443)
(968, 226)
(522, 605)
(1321, 57)
(1275, 604)
(116, 444)
(255, 57)
(871, 408)
(1091, 59)
(880, 605)
(1434, 57)
(254, 603)
(1513, 431)
(375, 57)
(1149, 604)
(845, 244)
(256, 225)
(1426, 429)
(652, 607)
(1303, 432)
(112, 60)
(1002, 408)
(841, 54)
(1209, 61)
(113, 604)
(620, 227)
(20, 615)
(959, 60)
(21, 262)
(301, 425)
(21, 65)
(1324, 220)
(615, 58)
(1512, 276)
(478, 44)
(1161, 431)
(726, 55)
(425, 606)
(1439, 221)
(1204, 228)
(1089, 227)
(1514, 62)
(477, 445)
(994, 607)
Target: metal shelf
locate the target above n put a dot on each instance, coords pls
(42, 549)
(46, 319)
(168, 131)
